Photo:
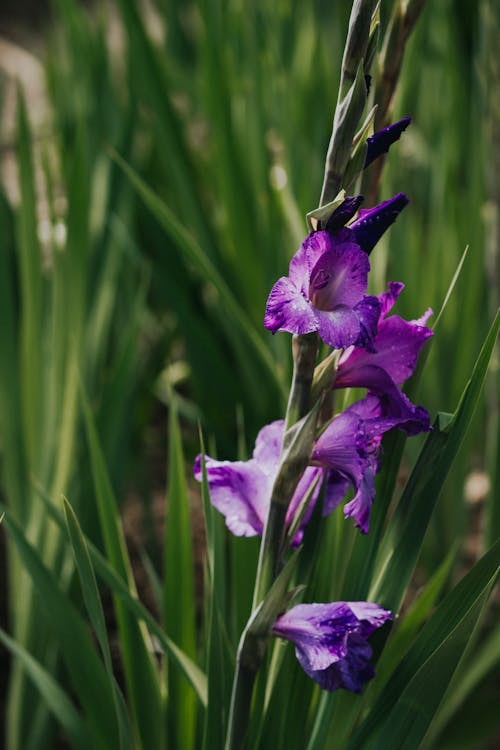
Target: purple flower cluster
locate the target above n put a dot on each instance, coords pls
(325, 292)
(347, 452)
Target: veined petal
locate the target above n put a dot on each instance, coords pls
(339, 327)
(388, 299)
(339, 276)
(394, 404)
(396, 345)
(288, 310)
(360, 506)
(330, 640)
(240, 491)
(268, 446)
(336, 487)
(368, 312)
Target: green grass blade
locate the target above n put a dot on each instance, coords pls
(55, 697)
(465, 682)
(452, 612)
(87, 674)
(408, 722)
(96, 614)
(116, 583)
(178, 589)
(219, 664)
(31, 291)
(143, 686)
(413, 619)
(195, 256)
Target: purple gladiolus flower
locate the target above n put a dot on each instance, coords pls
(381, 141)
(396, 347)
(331, 641)
(241, 490)
(373, 222)
(325, 292)
(349, 448)
(344, 449)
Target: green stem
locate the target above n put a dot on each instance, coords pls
(241, 700)
(305, 349)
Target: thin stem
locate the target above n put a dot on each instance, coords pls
(305, 349)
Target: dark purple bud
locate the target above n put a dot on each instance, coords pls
(372, 223)
(381, 141)
(344, 212)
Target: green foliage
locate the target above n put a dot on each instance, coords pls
(174, 182)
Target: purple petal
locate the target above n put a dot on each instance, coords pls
(339, 276)
(343, 448)
(268, 446)
(360, 506)
(336, 487)
(344, 212)
(394, 404)
(397, 345)
(372, 223)
(388, 298)
(330, 640)
(288, 310)
(381, 141)
(368, 312)
(240, 491)
(340, 327)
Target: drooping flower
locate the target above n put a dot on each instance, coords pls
(325, 292)
(396, 346)
(381, 141)
(349, 448)
(241, 490)
(331, 641)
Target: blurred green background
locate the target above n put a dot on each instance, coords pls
(224, 109)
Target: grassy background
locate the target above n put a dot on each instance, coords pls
(224, 109)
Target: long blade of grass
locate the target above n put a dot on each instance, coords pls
(96, 614)
(52, 693)
(117, 584)
(194, 254)
(87, 674)
(143, 685)
(435, 638)
(178, 589)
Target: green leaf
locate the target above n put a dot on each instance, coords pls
(116, 583)
(95, 611)
(143, 685)
(178, 588)
(30, 291)
(407, 628)
(196, 257)
(87, 674)
(438, 647)
(220, 665)
(55, 697)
